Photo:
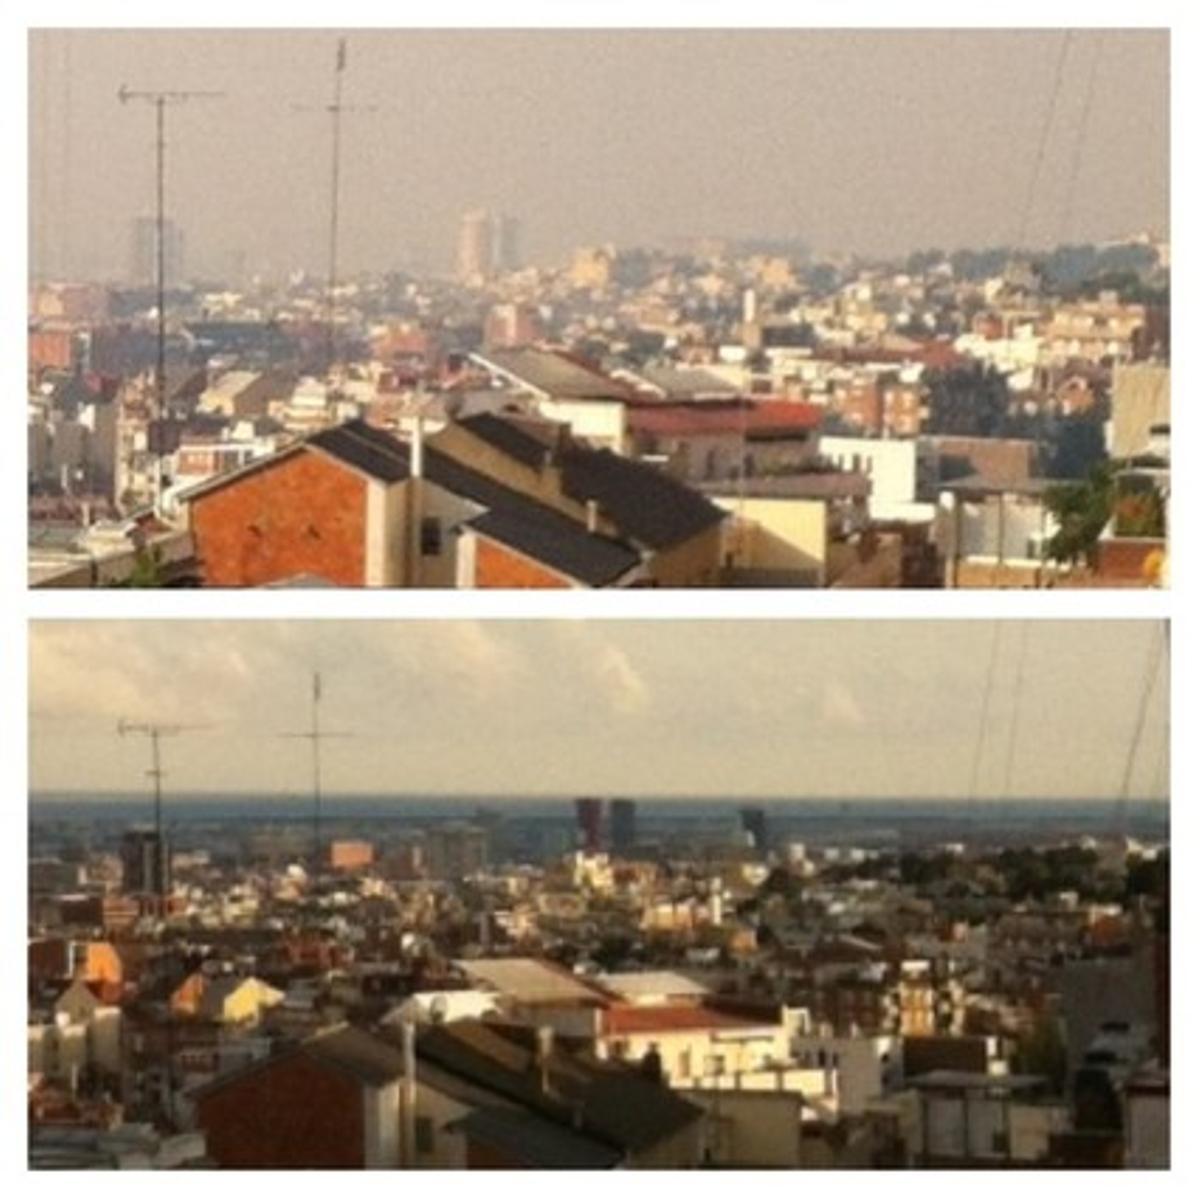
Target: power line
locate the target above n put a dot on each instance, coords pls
(1043, 141)
(1139, 727)
(161, 100)
(1068, 210)
(1018, 683)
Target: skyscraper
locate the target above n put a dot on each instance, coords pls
(143, 251)
(589, 821)
(754, 827)
(506, 235)
(475, 246)
(622, 826)
(487, 242)
(456, 850)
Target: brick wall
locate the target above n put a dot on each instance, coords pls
(498, 567)
(304, 514)
(292, 1113)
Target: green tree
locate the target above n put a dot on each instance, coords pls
(1082, 511)
(1042, 1051)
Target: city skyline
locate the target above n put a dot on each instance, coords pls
(886, 709)
(551, 126)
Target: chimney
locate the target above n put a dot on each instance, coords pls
(417, 459)
(543, 1054)
(408, 1103)
(593, 515)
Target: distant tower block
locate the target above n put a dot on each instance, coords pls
(476, 246)
(145, 863)
(622, 826)
(754, 828)
(589, 819)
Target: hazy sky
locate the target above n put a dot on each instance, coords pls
(870, 140)
(726, 708)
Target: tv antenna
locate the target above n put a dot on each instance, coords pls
(334, 108)
(315, 735)
(161, 102)
(155, 732)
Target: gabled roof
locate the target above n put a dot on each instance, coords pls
(560, 544)
(351, 1051)
(377, 454)
(358, 1053)
(509, 517)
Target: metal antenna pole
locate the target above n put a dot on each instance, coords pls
(335, 110)
(160, 100)
(315, 735)
(155, 732)
(316, 763)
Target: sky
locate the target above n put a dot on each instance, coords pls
(793, 709)
(857, 141)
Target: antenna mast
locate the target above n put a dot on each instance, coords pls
(335, 109)
(315, 735)
(155, 732)
(161, 101)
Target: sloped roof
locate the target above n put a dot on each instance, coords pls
(607, 1101)
(531, 980)
(560, 544)
(534, 1142)
(644, 503)
(370, 450)
(556, 374)
(687, 383)
(371, 1059)
(514, 436)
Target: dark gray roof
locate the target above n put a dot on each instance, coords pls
(561, 544)
(358, 1053)
(534, 1142)
(380, 455)
(643, 502)
(606, 1101)
(509, 437)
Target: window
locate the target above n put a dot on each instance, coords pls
(424, 1131)
(431, 537)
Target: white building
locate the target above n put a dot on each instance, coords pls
(893, 465)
